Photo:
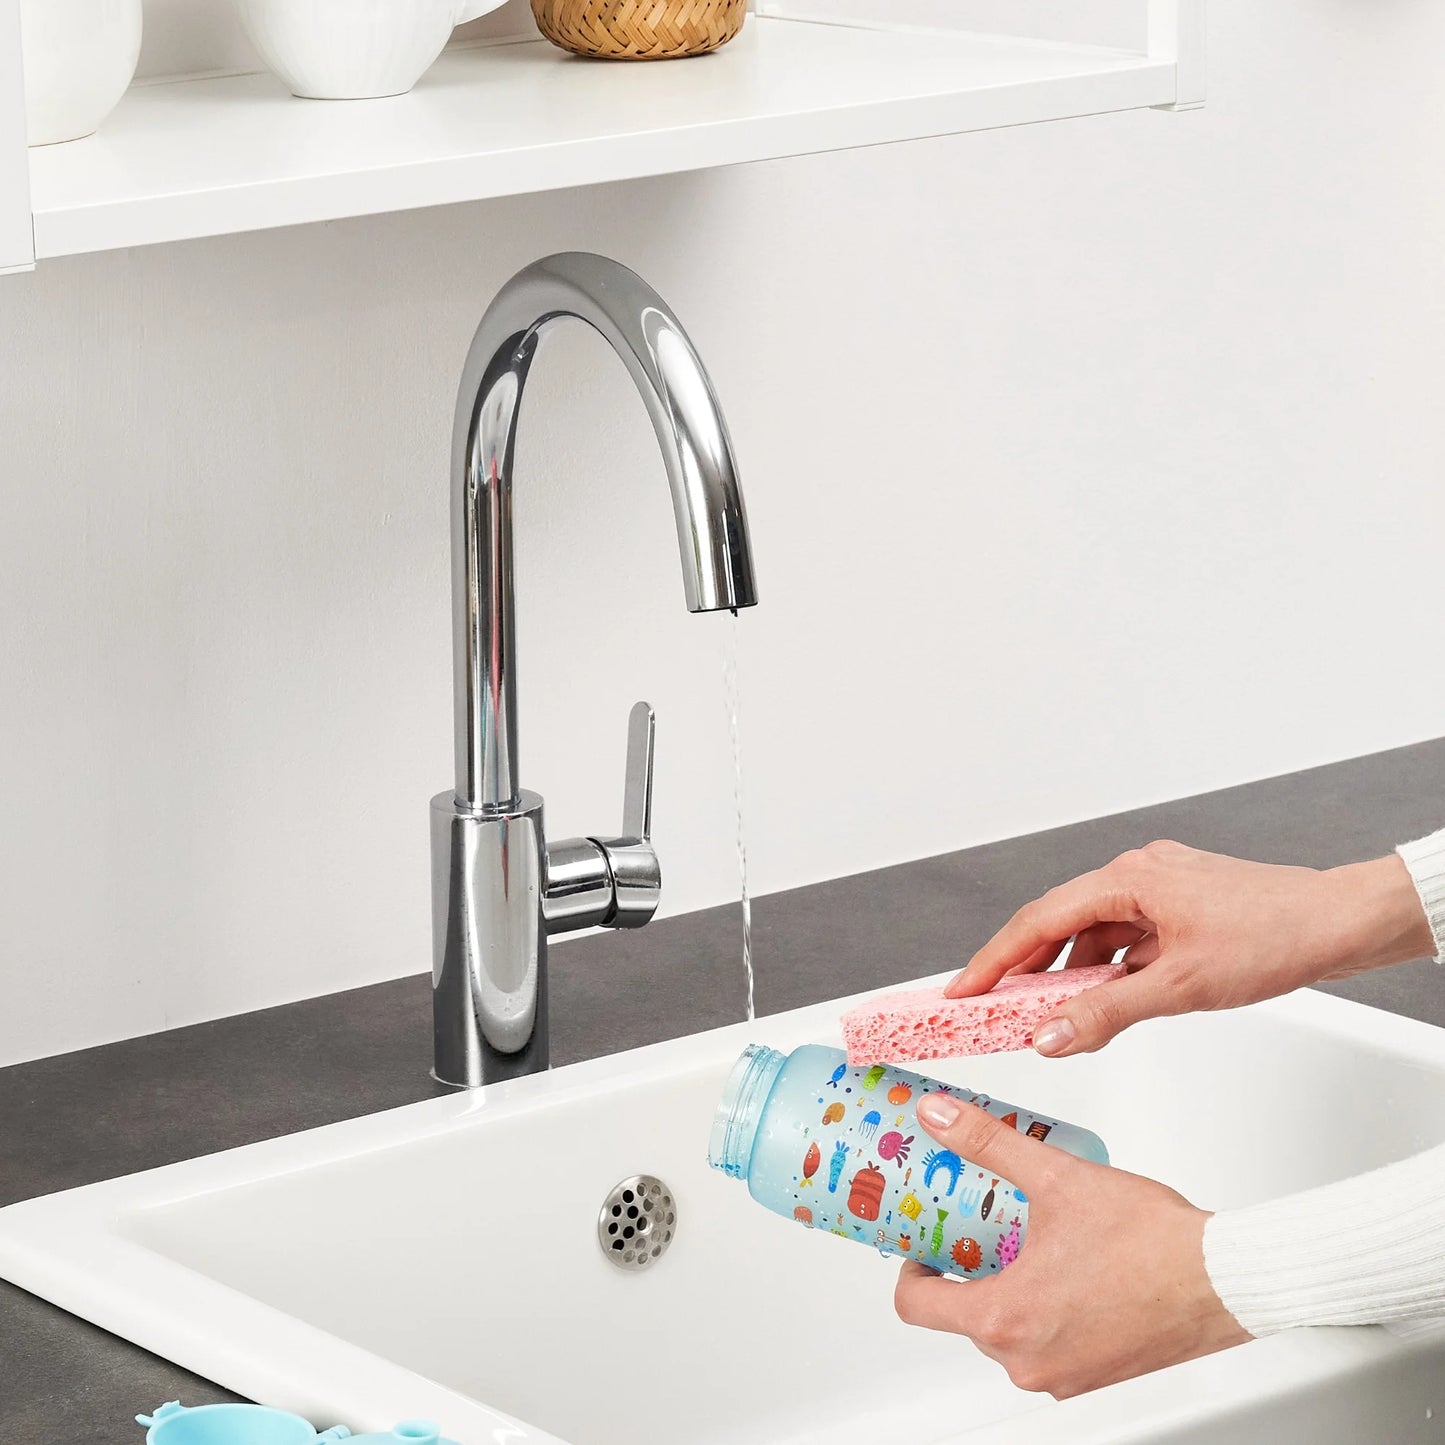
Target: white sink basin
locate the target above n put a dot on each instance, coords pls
(441, 1259)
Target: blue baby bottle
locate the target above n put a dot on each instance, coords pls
(838, 1147)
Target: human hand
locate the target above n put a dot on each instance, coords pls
(1202, 931)
(1110, 1282)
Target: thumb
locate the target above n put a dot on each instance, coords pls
(1090, 1019)
(975, 1135)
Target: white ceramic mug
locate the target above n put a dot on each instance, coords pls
(79, 57)
(353, 49)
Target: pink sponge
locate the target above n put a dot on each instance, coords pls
(919, 1023)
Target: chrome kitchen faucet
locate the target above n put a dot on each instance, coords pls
(499, 889)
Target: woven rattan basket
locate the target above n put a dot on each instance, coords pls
(639, 29)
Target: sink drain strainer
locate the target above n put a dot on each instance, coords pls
(636, 1222)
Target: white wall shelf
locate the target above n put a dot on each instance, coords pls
(17, 251)
(205, 157)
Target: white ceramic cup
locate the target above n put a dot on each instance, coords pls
(79, 57)
(353, 49)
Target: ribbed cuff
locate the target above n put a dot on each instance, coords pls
(1425, 858)
(1368, 1250)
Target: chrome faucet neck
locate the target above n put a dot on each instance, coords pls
(707, 503)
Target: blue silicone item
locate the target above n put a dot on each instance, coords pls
(409, 1432)
(838, 1148)
(174, 1424)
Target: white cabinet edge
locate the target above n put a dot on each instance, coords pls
(17, 236)
(1176, 33)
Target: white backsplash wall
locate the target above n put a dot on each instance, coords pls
(1088, 465)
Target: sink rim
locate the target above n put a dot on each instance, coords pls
(67, 1248)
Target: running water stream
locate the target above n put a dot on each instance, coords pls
(733, 702)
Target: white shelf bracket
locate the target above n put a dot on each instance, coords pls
(17, 230)
(1176, 32)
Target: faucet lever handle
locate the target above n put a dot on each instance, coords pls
(631, 858)
(611, 882)
(637, 788)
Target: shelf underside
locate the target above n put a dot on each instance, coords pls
(214, 156)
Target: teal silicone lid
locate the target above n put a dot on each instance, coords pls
(175, 1424)
(409, 1432)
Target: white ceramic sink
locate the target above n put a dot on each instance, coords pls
(441, 1259)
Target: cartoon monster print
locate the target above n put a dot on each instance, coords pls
(910, 1206)
(899, 1094)
(894, 1146)
(804, 1215)
(935, 1241)
(1007, 1248)
(988, 1199)
(835, 1165)
(833, 1113)
(967, 1202)
(945, 1160)
(865, 1194)
(967, 1254)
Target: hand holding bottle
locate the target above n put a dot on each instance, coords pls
(1202, 931)
(1086, 1303)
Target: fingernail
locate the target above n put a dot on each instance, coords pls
(938, 1110)
(1054, 1037)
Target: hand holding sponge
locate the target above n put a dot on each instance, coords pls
(920, 1023)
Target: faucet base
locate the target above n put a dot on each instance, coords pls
(489, 942)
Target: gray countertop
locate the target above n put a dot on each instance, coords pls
(106, 1111)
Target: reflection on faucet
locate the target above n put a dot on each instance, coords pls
(498, 888)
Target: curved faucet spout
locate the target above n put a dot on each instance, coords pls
(712, 526)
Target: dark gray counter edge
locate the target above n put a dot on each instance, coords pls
(107, 1111)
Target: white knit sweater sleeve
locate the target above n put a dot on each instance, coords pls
(1304, 1259)
(1425, 858)
(1316, 1259)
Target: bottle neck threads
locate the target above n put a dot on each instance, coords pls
(740, 1110)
